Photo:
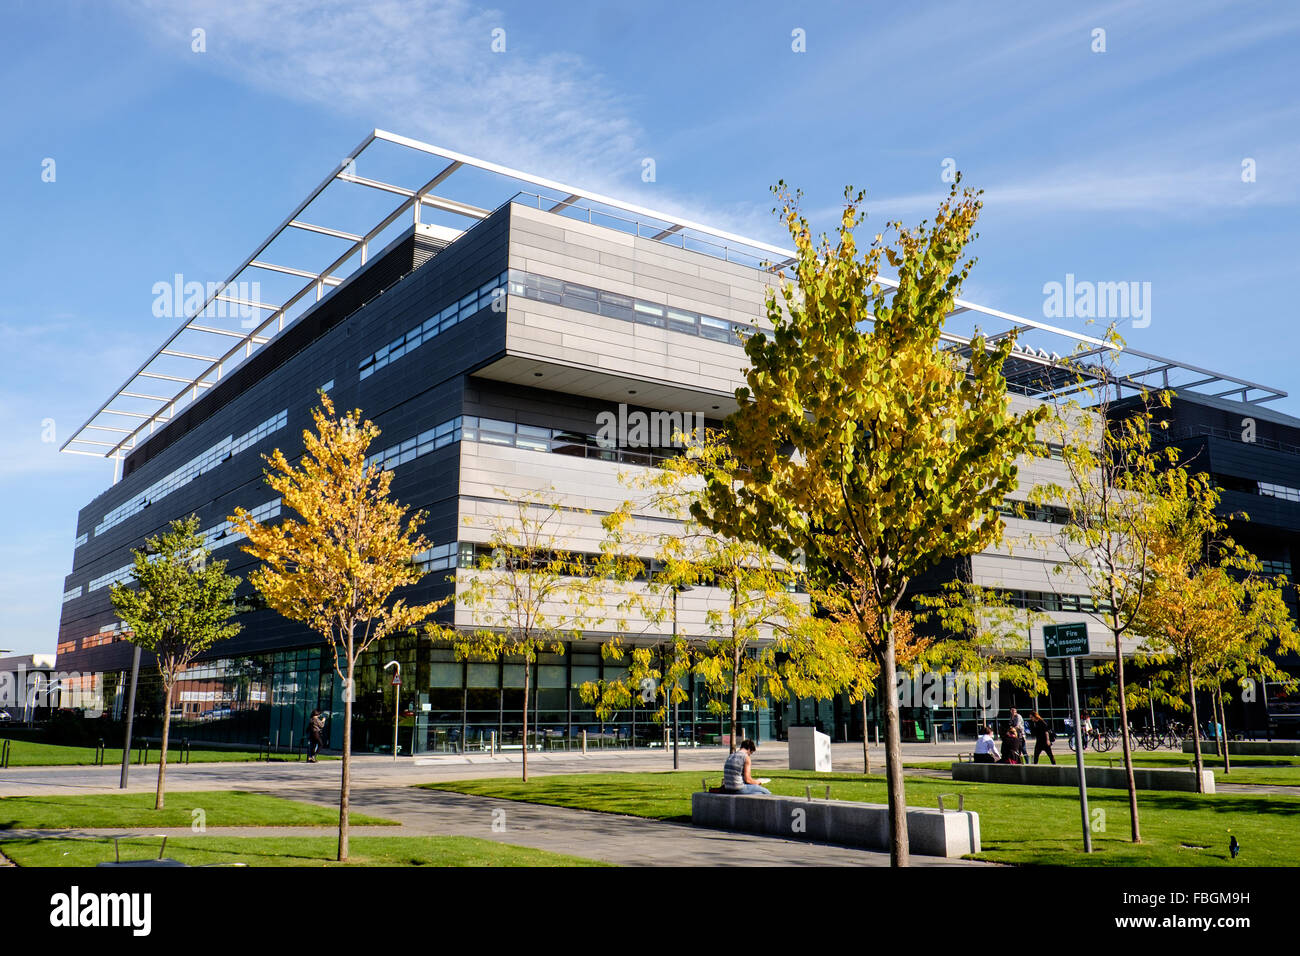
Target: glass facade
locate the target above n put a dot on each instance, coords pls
(445, 706)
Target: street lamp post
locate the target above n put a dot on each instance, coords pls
(1029, 627)
(130, 719)
(397, 698)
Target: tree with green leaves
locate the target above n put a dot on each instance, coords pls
(336, 567)
(865, 443)
(177, 605)
(1118, 491)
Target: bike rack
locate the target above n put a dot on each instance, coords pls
(961, 801)
(99, 753)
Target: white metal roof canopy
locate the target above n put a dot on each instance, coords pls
(332, 232)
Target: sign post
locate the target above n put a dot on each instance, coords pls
(1069, 641)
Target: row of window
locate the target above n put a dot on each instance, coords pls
(1051, 601)
(107, 635)
(1279, 491)
(1278, 566)
(196, 466)
(444, 557)
(484, 297)
(1027, 511)
(81, 539)
(223, 534)
(113, 577)
(73, 593)
(470, 555)
(439, 437)
(491, 431)
(571, 295)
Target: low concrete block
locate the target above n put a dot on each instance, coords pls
(809, 749)
(1065, 775)
(1249, 748)
(929, 832)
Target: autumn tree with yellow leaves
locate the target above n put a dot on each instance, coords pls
(336, 566)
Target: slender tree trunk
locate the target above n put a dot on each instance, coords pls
(866, 753)
(527, 672)
(1196, 731)
(735, 697)
(898, 847)
(1135, 832)
(349, 690)
(160, 798)
(1223, 726)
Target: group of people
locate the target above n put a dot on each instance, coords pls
(1015, 741)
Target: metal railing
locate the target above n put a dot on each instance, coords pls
(659, 232)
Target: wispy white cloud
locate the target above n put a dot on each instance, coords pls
(1157, 186)
(425, 70)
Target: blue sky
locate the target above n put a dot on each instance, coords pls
(1123, 165)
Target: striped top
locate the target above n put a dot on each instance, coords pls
(733, 771)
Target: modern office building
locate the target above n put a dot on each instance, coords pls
(489, 321)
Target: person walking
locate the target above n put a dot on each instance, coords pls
(1042, 738)
(315, 734)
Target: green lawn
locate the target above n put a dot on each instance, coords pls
(1018, 824)
(290, 851)
(24, 753)
(1268, 771)
(222, 808)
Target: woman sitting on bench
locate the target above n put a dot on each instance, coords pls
(735, 772)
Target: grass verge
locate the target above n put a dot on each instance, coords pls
(1260, 771)
(1018, 824)
(221, 808)
(291, 851)
(24, 753)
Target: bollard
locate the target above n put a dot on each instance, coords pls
(807, 791)
(4, 755)
(584, 741)
(828, 791)
(494, 743)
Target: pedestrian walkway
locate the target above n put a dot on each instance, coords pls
(378, 769)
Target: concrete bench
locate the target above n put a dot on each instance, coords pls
(1065, 775)
(929, 832)
(1250, 748)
